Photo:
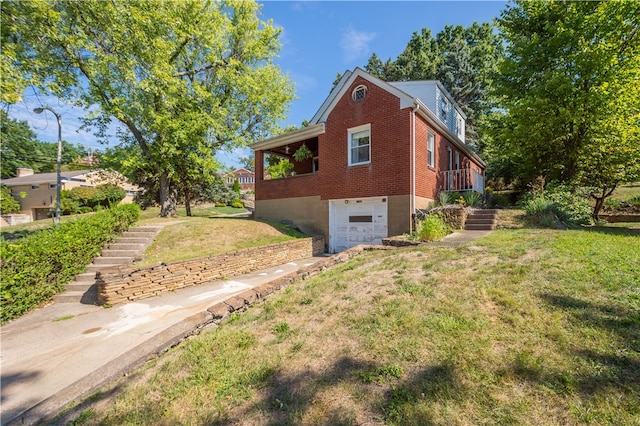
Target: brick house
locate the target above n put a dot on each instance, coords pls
(246, 179)
(379, 152)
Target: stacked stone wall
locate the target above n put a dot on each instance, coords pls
(126, 284)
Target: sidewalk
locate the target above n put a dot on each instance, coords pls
(63, 352)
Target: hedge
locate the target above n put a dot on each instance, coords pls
(35, 268)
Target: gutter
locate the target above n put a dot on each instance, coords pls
(413, 163)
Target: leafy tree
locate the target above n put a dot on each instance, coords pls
(569, 89)
(462, 59)
(20, 148)
(185, 78)
(7, 203)
(248, 162)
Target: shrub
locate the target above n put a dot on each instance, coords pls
(569, 205)
(432, 228)
(612, 204)
(634, 201)
(472, 199)
(35, 268)
(237, 204)
(7, 203)
(445, 198)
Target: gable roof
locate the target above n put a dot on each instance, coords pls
(43, 178)
(406, 100)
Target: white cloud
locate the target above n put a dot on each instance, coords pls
(355, 44)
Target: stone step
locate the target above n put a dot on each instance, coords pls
(145, 229)
(103, 261)
(119, 253)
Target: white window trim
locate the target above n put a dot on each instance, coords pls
(431, 162)
(350, 132)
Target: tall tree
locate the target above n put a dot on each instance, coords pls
(462, 59)
(569, 89)
(185, 78)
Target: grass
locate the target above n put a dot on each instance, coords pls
(533, 327)
(191, 237)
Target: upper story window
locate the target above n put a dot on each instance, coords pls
(444, 108)
(52, 186)
(359, 93)
(431, 153)
(360, 145)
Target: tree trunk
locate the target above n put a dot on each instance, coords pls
(167, 198)
(187, 202)
(606, 192)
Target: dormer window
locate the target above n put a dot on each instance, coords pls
(359, 93)
(444, 108)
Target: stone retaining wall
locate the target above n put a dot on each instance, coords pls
(126, 283)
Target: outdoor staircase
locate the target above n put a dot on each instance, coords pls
(482, 220)
(126, 249)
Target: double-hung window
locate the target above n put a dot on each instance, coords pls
(431, 146)
(360, 145)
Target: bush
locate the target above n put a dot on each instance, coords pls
(557, 206)
(432, 228)
(237, 205)
(35, 268)
(612, 204)
(472, 198)
(7, 203)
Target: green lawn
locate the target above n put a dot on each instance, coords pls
(532, 327)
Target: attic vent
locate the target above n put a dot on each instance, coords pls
(359, 93)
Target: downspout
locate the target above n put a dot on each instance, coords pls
(413, 164)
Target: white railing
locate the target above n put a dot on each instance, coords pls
(462, 180)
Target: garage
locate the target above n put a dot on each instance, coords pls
(357, 221)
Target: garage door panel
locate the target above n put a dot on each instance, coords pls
(354, 222)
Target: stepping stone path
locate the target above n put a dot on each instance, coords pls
(127, 248)
(482, 220)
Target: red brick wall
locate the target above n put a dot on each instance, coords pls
(389, 171)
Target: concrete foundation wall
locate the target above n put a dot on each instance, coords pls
(309, 214)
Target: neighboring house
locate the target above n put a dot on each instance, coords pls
(36, 192)
(246, 179)
(379, 152)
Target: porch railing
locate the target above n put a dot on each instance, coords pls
(462, 180)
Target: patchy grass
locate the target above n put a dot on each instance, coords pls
(625, 192)
(151, 215)
(533, 327)
(191, 237)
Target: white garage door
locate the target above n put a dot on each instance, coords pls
(357, 221)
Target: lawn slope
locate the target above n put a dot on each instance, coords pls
(533, 327)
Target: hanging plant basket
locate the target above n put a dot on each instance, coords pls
(302, 153)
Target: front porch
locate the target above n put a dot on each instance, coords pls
(461, 180)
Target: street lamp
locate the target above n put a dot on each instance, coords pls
(59, 117)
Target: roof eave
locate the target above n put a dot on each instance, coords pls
(288, 138)
(428, 115)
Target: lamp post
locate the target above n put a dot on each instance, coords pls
(59, 117)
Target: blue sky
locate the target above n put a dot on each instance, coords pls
(319, 39)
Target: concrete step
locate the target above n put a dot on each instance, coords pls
(76, 286)
(102, 261)
(125, 246)
(480, 227)
(134, 240)
(134, 234)
(482, 216)
(84, 297)
(479, 221)
(148, 228)
(88, 277)
(119, 253)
